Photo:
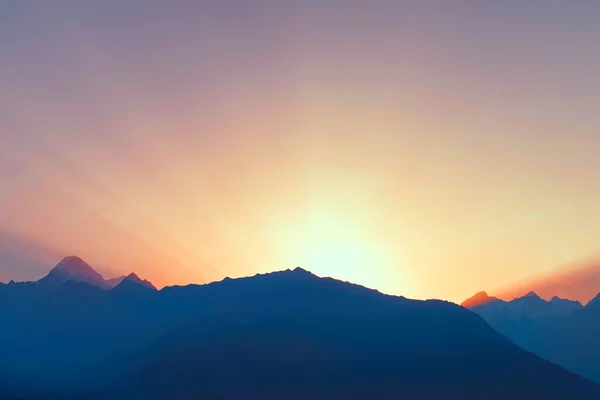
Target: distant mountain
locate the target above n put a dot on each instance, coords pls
(533, 306)
(73, 269)
(594, 303)
(478, 299)
(560, 330)
(132, 283)
(69, 269)
(579, 281)
(565, 306)
(112, 283)
(132, 277)
(530, 306)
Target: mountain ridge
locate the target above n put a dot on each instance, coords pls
(357, 316)
(283, 333)
(482, 298)
(70, 268)
(292, 325)
(560, 330)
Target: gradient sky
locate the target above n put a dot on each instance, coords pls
(428, 149)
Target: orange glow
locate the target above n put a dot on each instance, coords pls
(402, 147)
(578, 281)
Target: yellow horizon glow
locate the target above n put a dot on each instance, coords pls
(411, 148)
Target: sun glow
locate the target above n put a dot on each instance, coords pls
(341, 245)
(338, 258)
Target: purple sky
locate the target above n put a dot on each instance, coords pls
(430, 149)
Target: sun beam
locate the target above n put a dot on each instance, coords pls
(332, 243)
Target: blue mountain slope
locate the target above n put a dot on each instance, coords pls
(288, 334)
(293, 335)
(560, 330)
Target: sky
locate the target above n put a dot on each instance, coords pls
(429, 149)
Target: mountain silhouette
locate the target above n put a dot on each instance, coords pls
(561, 330)
(595, 302)
(529, 306)
(565, 306)
(579, 281)
(478, 299)
(111, 283)
(73, 268)
(287, 334)
(294, 335)
(73, 291)
(133, 282)
(136, 289)
(69, 269)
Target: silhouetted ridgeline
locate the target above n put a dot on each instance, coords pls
(286, 335)
(560, 330)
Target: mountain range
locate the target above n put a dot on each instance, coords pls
(560, 330)
(70, 269)
(287, 334)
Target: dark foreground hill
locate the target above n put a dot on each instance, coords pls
(298, 336)
(282, 335)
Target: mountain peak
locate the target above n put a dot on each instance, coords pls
(557, 299)
(300, 273)
(594, 302)
(478, 299)
(565, 306)
(73, 265)
(133, 276)
(132, 280)
(529, 298)
(72, 259)
(73, 268)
